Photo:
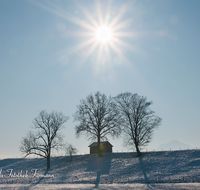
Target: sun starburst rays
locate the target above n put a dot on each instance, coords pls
(105, 46)
(107, 34)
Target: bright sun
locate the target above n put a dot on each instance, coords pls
(103, 34)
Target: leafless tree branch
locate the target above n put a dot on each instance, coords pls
(139, 121)
(97, 117)
(47, 137)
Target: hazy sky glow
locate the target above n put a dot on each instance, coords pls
(51, 57)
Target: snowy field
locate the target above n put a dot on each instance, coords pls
(164, 186)
(153, 170)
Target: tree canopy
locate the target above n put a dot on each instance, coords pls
(97, 118)
(139, 121)
(47, 136)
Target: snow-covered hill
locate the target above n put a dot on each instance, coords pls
(118, 168)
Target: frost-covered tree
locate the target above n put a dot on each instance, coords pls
(47, 136)
(139, 121)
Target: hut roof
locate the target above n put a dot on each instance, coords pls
(101, 143)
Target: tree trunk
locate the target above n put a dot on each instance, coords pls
(98, 146)
(48, 159)
(138, 151)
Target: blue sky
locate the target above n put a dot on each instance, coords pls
(47, 61)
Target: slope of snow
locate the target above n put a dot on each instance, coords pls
(114, 169)
(163, 186)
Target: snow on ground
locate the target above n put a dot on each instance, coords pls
(169, 169)
(164, 186)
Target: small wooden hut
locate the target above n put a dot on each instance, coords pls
(105, 147)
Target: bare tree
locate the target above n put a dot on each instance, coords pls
(138, 120)
(47, 136)
(71, 150)
(97, 118)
